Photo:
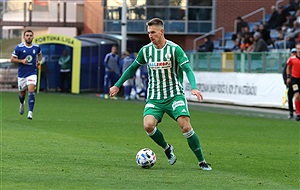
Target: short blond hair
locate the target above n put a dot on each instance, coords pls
(156, 22)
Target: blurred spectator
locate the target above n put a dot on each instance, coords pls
(240, 23)
(65, 63)
(289, 20)
(279, 42)
(277, 18)
(44, 75)
(144, 77)
(255, 29)
(292, 6)
(273, 21)
(260, 44)
(128, 84)
(208, 45)
(265, 34)
(245, 42)
(292, 35)
(251, 43)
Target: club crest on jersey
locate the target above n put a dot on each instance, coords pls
(168, 56)
(29, 58)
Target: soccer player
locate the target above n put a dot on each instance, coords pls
(28, 57)
(166, 62)
(293, 77)
(289, 86)
(112, 70)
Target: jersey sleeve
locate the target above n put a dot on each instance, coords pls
(190, 75)
(128, 73)
(181, 57)
(15, 52)
(140, 58)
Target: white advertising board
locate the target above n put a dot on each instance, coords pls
(251, 89)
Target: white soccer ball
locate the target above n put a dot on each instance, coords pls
(145, 158)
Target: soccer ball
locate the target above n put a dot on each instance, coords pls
(145, 158)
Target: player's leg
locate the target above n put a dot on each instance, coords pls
(127, 89)
(290, 102)
(31, 82)
(178, 110)
(62, 82)
(154, 133)
(152, 116)
(297, 105)
(296, 89)
(22, 94)
(106, 83)
(193, 140)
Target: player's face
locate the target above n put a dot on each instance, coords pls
(155, 34)
(28, 37)
(114, 50)
(298, 50)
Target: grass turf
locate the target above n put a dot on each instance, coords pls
(83, 142)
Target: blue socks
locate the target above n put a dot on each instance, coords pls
(31, 100)
(21, 99)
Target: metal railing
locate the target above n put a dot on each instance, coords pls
(207, 34)
(250, 62)
(251, 14)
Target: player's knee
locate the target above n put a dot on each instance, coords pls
(149, 126)
(186, 128)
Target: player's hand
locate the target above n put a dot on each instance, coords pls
(113, 91)
(198, 94)
(38, 63)
(288, 81)
(25, 61)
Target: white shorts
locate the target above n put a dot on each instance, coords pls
(128, 82)
(24, 82)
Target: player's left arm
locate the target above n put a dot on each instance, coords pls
(182, 58)
(191, 77)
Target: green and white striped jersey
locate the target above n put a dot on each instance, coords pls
(164, 69)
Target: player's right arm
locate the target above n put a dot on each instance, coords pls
(14, 59)
(288, 71)
(128, 73)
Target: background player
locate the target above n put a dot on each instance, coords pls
(28, 57)
(289, 86)
(293, 77)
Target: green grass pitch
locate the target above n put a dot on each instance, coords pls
(84, 142)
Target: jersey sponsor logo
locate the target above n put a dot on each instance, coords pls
(161, 64)
(177, 103)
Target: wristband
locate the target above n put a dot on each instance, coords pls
(288, 76)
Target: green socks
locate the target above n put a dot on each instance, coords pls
(194, 144)
(158, 137)
(190, 136)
